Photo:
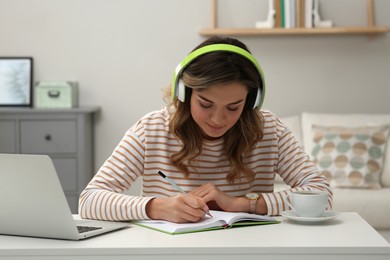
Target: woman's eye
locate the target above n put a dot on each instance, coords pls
(204, 105)
(232, 108)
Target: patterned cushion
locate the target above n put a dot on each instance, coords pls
(345, 120)
(350, 157)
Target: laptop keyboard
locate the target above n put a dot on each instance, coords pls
(83, 229)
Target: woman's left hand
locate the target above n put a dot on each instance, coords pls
(210, 193)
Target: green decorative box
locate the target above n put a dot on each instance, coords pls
(56, 94)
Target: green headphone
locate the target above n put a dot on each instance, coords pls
(178, 87)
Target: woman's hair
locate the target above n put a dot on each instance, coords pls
(218, 67)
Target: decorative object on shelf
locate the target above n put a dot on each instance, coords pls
(270, 22)
(316, 16)
(16, 81)
(56, 94)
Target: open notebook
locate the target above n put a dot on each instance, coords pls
(220, 220)
(32, 202)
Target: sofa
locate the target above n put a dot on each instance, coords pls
(353, 152)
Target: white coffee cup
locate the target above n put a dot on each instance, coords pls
(308, 203)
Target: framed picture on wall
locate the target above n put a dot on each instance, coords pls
(16, 81)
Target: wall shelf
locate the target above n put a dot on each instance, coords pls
(294, 31)
(370, 29)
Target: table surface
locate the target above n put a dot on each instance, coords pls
(348, 236)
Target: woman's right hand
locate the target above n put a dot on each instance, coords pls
(180, 208)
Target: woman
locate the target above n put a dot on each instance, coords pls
(211, 140)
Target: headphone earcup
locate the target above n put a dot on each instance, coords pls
(258, 99)
(181, 91)
(252, 100)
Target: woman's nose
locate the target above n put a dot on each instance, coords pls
(218, 117)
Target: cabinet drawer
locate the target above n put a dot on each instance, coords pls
(67, 172)
(54, 136)
(7, 137)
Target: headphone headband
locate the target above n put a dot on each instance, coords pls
(177, 86)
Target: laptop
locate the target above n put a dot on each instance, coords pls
(32, 202)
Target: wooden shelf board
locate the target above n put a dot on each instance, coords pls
(294, 31)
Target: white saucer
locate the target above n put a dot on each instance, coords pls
(290, 214)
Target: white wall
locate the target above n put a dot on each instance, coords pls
(123, 52)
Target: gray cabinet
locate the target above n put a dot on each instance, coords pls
(66, 135)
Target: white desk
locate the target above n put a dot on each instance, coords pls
(347, 237)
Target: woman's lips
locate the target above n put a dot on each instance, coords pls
(215, 128)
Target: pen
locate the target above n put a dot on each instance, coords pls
(176, 187)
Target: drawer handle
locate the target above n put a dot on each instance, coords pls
(54, 93)
(48, 137)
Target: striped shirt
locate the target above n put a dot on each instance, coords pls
(147, 147)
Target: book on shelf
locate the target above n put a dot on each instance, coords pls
(299, 11)
(220, 220)
(282, 14)
(290, 13)
(278, 15)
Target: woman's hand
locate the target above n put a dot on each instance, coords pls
(212, 195)
(180, 208)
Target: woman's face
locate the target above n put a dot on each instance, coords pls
(217, 108)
